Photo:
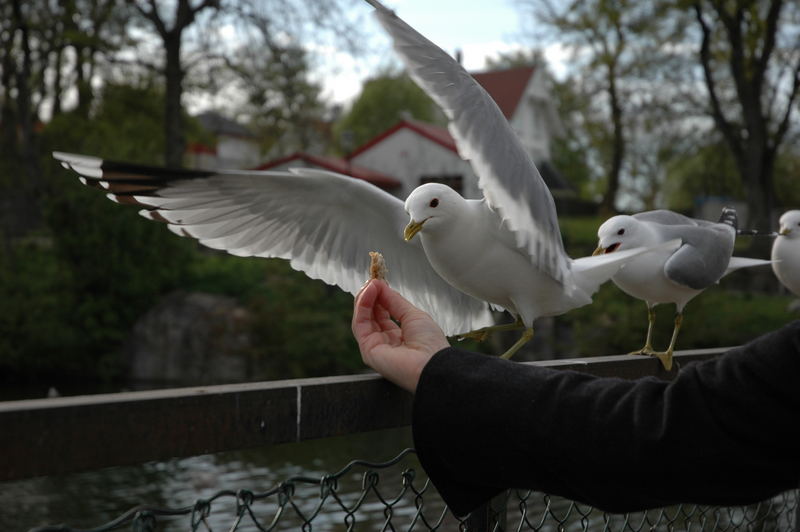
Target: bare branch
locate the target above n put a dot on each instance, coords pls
(780, 133)
(728, 130)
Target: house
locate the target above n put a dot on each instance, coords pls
(524, 98)
(333, 164)
(412, 152)
(234, 145)
(416, 152)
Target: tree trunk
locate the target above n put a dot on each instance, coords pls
(608, 203)
(31, 188)
(758, 177)
(57, 82)
(83, 85)
(173, 111)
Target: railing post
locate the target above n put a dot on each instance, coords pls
(490, 517)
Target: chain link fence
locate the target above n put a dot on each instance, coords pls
(396, 495)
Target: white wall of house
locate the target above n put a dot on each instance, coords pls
(202, 160)
(408, 156)
(535, 119)
(237, 152)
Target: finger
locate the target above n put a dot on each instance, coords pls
(363, 312)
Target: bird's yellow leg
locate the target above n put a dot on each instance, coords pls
(666, 356)
(648, 343)
(524, 339)
(483, 333)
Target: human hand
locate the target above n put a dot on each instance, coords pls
(398, 352)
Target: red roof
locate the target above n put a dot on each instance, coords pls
(506, 86)
(197, 147)
(336, 164)
(437, 134)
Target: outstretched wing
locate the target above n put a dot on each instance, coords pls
(324, 223)
(506, 174)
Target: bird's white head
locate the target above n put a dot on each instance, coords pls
(619, 233)
(430, 206)
(790, 224)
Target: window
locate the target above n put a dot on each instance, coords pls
(454, 181)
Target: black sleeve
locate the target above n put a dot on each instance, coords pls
(726, 431)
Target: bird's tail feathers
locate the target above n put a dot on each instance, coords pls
(729, 217)
(591, 272)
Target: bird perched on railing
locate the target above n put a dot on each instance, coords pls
(700, 259)
(504, 249)
(786, 252)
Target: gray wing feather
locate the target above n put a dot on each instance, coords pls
(323, 223)
(508, 177)
(665, 217)
(703, 258)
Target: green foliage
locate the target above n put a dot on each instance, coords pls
(35, 307)
(384, 101)
(617, 323)
(580, 234)
(98, 267)
(516, 58)
(787, 177)
(302, 326)
(706, 170)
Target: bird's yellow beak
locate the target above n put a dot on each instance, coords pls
(784, 231)
(412, 229)
(610, 249)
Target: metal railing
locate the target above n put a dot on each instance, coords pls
(52, 436)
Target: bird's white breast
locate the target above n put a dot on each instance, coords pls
(644, 278)
(474, 258)
(786, 254)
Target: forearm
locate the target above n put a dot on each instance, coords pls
(483, 425)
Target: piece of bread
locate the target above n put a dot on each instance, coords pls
(377, 266)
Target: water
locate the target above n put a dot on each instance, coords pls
(90, 499)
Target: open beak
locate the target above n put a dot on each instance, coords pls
(601, 250)
(412, 229)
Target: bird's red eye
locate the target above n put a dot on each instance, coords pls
(434, 202)
(621, 232)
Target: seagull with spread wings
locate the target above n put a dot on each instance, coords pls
(504, 250)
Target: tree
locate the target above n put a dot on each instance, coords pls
(183, 16)
(614, 42)
(96, 267)
(279, 100)
(751, 69)
(384, 101)
(570, 153)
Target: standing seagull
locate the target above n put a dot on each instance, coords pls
(505, 249)
(786, 252)
(672, 275)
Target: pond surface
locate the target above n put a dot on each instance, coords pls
(91, 499)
